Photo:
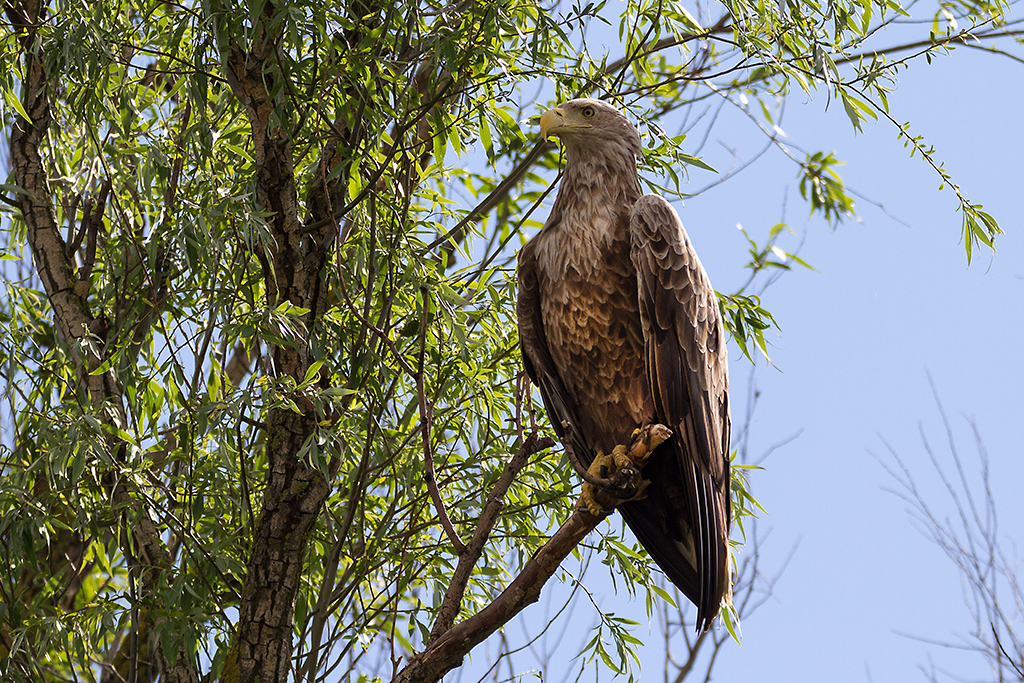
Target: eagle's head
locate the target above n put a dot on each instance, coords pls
(592, 127)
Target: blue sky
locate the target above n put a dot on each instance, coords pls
(888, 304)
(890, 301)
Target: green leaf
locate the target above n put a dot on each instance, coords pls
(695, 161)
(312, 373)
(15, 103)
(664, 595)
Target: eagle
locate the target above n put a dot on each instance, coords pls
(620, 329)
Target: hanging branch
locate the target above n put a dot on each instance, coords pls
(452, 602)
(426, 427)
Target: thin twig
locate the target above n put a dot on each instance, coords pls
(426, 421)
(1002, 649)
(582, 471)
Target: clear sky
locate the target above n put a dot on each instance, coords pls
(887, 304)
(890, 301)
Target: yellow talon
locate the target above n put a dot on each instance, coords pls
(642, 443)
(587, 501)
(601, 467)
(620, 456)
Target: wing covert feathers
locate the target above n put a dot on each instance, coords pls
(687, 369)
(560, 404)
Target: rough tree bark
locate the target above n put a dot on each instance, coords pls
(292, 272)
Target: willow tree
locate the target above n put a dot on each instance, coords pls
(262, 415)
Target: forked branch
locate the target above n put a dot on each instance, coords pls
(449, 644)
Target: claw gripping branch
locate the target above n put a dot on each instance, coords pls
(615, 477)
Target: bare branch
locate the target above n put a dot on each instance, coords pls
(426, 428)
(992, 590)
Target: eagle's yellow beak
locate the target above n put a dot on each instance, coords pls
(557, 120)
(550, 120)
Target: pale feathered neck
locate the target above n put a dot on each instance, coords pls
(600, 170)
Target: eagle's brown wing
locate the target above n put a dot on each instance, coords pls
(687, 370)
(562, 406)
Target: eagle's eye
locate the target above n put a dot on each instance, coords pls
(588, 112)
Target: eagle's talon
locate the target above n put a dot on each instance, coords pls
(616, 479)
(620, 456)
(589, 501)
(627, 482)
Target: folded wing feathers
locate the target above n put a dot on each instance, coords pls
(681, 321)
(540, 367)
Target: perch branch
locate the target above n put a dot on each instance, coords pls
(447, 647)
(447, 651)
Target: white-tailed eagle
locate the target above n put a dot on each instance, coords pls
(619, 329)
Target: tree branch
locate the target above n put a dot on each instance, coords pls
(293, 270)
(447, 646)
(452, 603)
(76, 324)
(447, 651)
(426, 428)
